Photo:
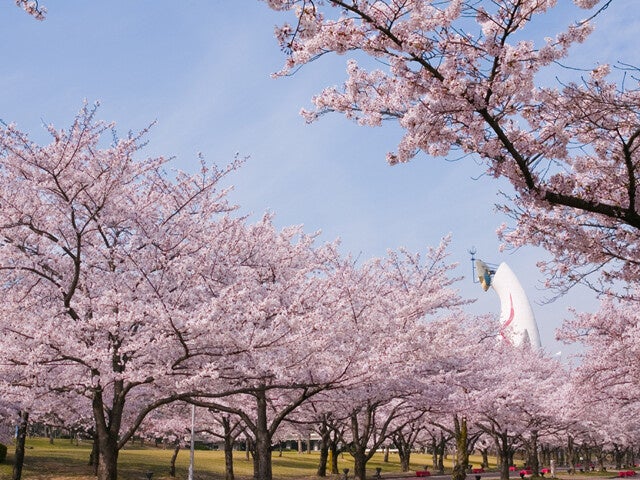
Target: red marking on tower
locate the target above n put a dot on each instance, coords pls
(508, 322)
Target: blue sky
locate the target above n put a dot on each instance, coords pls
(201, 69)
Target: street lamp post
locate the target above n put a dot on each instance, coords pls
(193, 427)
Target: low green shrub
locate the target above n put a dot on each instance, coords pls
(3, 453)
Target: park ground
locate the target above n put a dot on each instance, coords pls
(65, 460)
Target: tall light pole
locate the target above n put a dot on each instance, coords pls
(193, 428)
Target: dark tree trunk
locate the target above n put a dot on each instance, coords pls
(405, 459)
(368, 433)
(571, 455)
(485, 457)
(359, 462)
(94, 456)
(21, 438)
(441, 449)
(324, 458)
(228, 447)
(462, 452)
(600, 458)
(545, 455)
(505, 453)
(532, 453)
(404, 445)
(174, 456)
(618, 456)
(631, 456)
(504, 469)
(108, 464)
(262, 456)
(108, 430)
(325, 439)
(358, 447)
(335, 451)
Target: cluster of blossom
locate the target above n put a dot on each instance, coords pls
(126, 289)
(462, 76)
(33, 8)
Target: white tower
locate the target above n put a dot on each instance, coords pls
(517, 324)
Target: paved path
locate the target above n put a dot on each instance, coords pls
(560, 474)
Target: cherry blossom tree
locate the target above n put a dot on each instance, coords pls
(602, 384)
(376, 308)
(171, 425)
(331, 432)
(373, 423)
(274, 308)
(133, 289)
(521, 402)
(21, 436)
(452, 370)
(7, 421)
(228, 429)
(438, 439)
(33, 8)
(392, 403)
(314, 415)
(380, 407)
(610, 361)
(405, 438)
(463, 78)
(99, 267)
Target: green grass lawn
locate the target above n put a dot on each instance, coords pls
(66, 461)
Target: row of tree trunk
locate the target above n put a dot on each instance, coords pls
(574, 457)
